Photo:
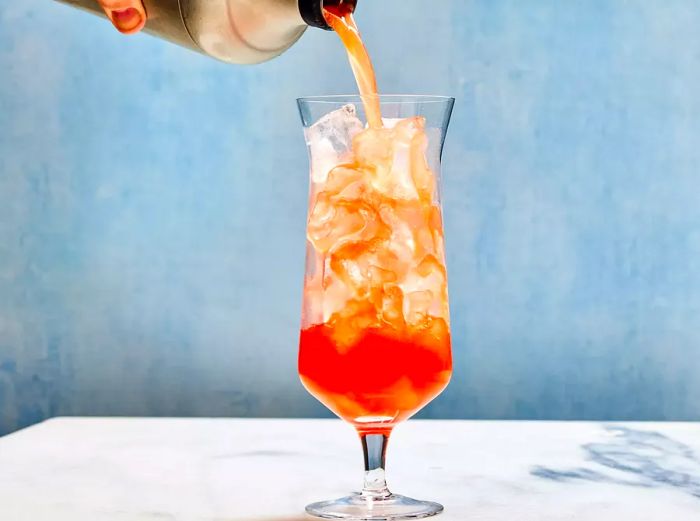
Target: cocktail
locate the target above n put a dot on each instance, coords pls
(375, 333)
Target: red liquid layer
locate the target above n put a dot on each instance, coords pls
(382, 378)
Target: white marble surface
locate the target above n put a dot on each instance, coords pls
(77, 469)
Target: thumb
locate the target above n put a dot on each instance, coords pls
(128, 16)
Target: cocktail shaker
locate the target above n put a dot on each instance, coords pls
(234, 31)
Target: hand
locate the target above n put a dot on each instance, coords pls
(128, 16)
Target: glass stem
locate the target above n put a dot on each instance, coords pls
(374, 448)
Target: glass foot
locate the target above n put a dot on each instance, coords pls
(365, 508)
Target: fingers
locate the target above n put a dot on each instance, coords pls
(128, 16)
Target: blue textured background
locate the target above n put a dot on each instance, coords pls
(152, 207)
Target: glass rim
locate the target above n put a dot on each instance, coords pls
(384, 99)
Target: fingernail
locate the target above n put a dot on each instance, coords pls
(127, 20)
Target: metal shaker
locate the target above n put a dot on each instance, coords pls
(234, 31)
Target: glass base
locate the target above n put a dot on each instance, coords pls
(357, 506)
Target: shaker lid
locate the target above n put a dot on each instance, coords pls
(312, 10)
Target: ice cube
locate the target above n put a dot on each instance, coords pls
(363, 266)
(406, 131)
(330, 224)
(402, 185)
(373, 147)
(428, 276)
(335, 295)
(343, 177)
(335, 222)
(330, 139)
(419, 219)
(423, 176)
(401, 243)
(350, 323)
(389, 152)
(417, 305)
(392, 306)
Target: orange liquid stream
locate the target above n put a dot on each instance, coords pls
(343, 23)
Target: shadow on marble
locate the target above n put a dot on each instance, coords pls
(634, 458)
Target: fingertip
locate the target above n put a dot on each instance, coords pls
(127, 21)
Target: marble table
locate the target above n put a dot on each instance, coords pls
(109, 469)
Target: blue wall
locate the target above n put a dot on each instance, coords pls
(152, 207)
